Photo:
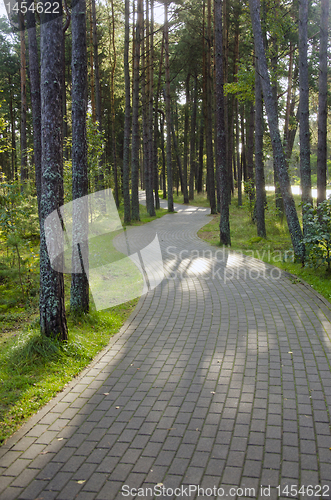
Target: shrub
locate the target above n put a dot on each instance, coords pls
(317, 237)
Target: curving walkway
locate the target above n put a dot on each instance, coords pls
(219, 380)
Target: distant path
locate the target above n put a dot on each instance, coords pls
(220, 378)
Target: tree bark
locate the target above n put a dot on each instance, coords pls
(239, 172)
(200, 169)
(193, 147)
(24, 166)
(79, 298)
(186, 135)
(148, 71)
(154, 119)
(209, 120)
(164, 184)
(35, 97)
(168, 108)
(322, 104)
(179, 161)
(96, 67)
(305, 170)
(259, 169)
(279, 157)
(52, 306)
(135, 117)
(92, 66)
(126, 145)
(112, 102)
(221, 163)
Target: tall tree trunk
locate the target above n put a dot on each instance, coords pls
(271, 109)
(135, 117)
(179, 161)
(239, 172)
(289, 96)
(209, 120)
(24, 166)
(52, 306)
(231, 170)
(322, 103)
(274, 80)
(112, 103)
(164, 184)
(64, 100)
(154, 118)
(259, 169)
(96, 67)
(221, 163)
(227, 99)
(100, 177)
(92, 66)
(305, 170)
(145, 113)
(193, 147)
(168, 108)
(79, 297)
(126, 145)
(149, 119)
(35, 97)
(200, 169)
(186, 135)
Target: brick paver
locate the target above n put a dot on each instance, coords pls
(220, 379)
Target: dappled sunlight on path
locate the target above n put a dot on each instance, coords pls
(220, 379)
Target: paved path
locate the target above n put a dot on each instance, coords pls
(220, 379)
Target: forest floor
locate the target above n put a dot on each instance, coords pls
(219, 379)
(276, 249)
(33, 369)
(25, 358)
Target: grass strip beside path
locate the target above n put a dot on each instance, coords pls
(33, 369)
(276, 249)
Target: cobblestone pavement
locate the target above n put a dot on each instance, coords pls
(220, 379)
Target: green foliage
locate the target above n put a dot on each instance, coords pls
(3, 124)
(244, 88)
(95, 149)
(33, 368)
(18, 231)
(317, 238)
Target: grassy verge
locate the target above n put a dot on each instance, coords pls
(33, 368)
(276, 249)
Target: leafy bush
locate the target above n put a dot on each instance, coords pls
(317, 238)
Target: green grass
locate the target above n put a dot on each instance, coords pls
(276, 249)
(144, 215)
(33, 368)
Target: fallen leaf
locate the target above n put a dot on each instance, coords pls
(106, 393)
(60, 439)
(82, 481)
